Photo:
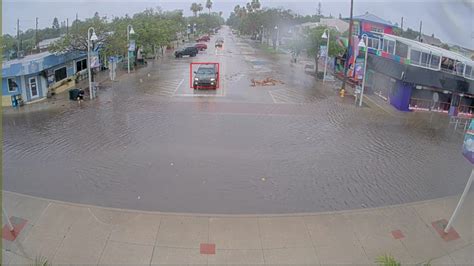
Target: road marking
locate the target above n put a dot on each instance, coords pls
(179, 85)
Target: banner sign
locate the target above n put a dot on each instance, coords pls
(131, 46)
(95, 60)
(468, 146)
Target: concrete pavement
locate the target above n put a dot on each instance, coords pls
(67, 233)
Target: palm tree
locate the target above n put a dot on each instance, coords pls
(200, 7)
(194, 8)
(209, 5)
(249, 7)
(236, 9)
(255, 4)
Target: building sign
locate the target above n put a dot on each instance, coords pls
(131, 46)
(468, 146)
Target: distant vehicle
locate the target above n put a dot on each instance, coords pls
(206, 77)
(204, 38)
(191, 51)
(219, 42)
(201, 46)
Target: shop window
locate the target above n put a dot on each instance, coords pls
(376, 29)
(425, 59)
(401, 50)
(12, 86)
(373, 43)
(389, 46)
(81, 65)
(415, 57)
(434, 63)
(60, 74)
(469, 72)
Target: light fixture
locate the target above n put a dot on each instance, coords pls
(361, 43)
(324, 36)
(94, 37)
(132, 31)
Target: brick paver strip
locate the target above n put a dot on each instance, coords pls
(397, 234)
(209, 249)
(439, 227)
(18, 224)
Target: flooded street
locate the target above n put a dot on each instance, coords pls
(151, 142)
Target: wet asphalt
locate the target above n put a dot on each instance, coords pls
(150, 142)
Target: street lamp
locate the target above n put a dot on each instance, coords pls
(326, 36)
(363, 44)
(90, 37)
(276, 41)
(129, 31)
(261, 41)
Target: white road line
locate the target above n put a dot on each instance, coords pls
(177, 87)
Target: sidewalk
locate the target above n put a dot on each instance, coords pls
(76, 234)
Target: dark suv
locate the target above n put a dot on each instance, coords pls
(191, 51)
(206, 77)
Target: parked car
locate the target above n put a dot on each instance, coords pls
(201, 46)
(206, 77)
(191, 51)
(204, 38)
(219, 42)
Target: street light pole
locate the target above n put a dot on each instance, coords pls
(261, 41)
(129, 31)
(327, 53)
(363, 43)
(90, 37)
(351, 23)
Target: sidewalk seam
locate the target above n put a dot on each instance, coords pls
(261, 242)
(311, 239)
(155, 242)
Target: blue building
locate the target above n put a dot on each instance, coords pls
(33, 76)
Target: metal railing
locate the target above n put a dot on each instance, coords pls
(428, 105)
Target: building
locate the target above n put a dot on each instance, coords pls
(45, 44)
(371, 25)
(36, 75)
(432, 40)
(333, 23)
(411, 75)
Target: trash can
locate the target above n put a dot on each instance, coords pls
(73, 94)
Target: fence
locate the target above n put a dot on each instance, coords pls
(428, 105)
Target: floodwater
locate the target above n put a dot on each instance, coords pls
(148, 143)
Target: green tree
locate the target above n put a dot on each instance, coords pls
(55, 24)
(255, 4)
(209, 5)
(194, 8)
(313, 40)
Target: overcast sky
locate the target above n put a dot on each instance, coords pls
(450, 20)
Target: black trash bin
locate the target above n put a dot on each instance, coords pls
(73, 94)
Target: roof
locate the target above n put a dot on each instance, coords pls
(46, 43)
(338, 24)
(431, 48)
(431, 40)
(35, 63)
(373, 18)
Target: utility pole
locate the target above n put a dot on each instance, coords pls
(419, 35)
(36, 35)
(18, 37)
(67, 26)
(401, 25)
(351, 23)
